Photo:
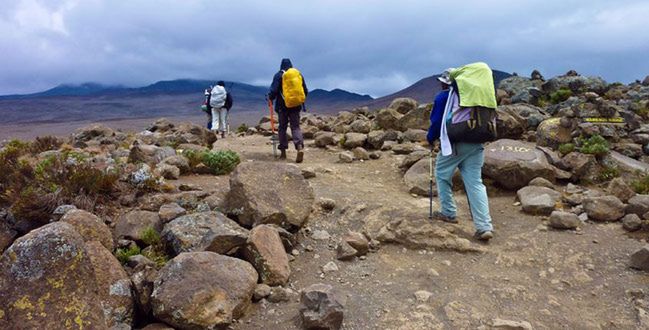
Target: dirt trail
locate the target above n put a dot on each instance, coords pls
(551, 279)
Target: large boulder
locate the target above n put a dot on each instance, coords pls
(203, 290)
(513, 164)
(530, 116)
(418, 118)
(580, 165)
(133, 224)
(321, 308)
(517, 85)
(403, 105)
(149, 154)
(538, 200)
(412, 230)
(266, 253)
(576, 84)
(90, 227)
(604, 208)
(47, 280)
(375, 139)
(564, 220)
(324, 139)
(417, 178)
(113, 286)
(551, 133)
(388, 119)
(620, 189)
(92, 132)
(209, 231)
(264, 192)
(361, 126)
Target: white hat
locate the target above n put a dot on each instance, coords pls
(445, 77)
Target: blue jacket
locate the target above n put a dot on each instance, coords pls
(436, 116)
(275, 91)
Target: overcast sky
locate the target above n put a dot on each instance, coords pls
(371, 47)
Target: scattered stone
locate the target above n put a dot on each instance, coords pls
(375, 139)
(139, 261)
(638, 204)
(346, 157)
(354, 140)
(308, 173)
(266, 253)
(403, 149)
(279, 294)
(261, 291)
(538, 200)
(330, 267)
(388, 119)
(511, 325)
(417, 178)
(210, 289)
(344, 251)
(167, 171)
(324, 139)
(631, 222)
(132, 224)
(143, 280)
(418, 118)
(423, 296)
(320, 235)
(551, 133)
(320, 308)
(358, 241)
(327, 204)
(269, 192)
(170, 211)
(179, 162)
(541, 182)
(564, 220)
(404, 105)
(361, 154)
(90, 227)
(640, 259)
(606, 208)
(113, 286)
(47, 279)
(361, 126)
(618, 188)
(208, 231)
(415, 135)
(61, 210)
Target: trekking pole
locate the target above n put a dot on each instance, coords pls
(430, 184)
(273, 137)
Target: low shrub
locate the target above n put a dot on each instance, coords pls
(560, 95)
(150, 237)
(641, 186)
(221, 162)
(45, 143)
(123, 254)
(594, 145)
(608, 173)
(242, 128)
(566, 148)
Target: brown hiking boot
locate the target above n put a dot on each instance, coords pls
(282, 154)
(300, 155)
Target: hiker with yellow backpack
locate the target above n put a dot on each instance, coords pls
(289, 92)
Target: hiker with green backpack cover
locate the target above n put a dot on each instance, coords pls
(463, 118)
(289, 92)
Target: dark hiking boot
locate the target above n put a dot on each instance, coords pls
(483, 235)
(223, 135)
(300, 155)
(282, 154)
(443, 217)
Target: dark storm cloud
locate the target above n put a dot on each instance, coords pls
(373, 47)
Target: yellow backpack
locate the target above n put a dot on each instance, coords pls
(292, 88)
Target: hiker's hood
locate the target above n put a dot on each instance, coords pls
(286, 64)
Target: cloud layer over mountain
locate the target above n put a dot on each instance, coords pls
(373, 47)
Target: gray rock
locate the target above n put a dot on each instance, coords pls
(170, 211)
(210, 289)
(354, 140)
(403, 105)
(166, 171)
(541, 182)
(361, 126)
(388, 119)
(640, 259)
(178, 161)
(266, 253)
(346, 157)
(631, 222)
(638, 204)
(417, 178)
(551, 133)
(415, 135)
(375, 139)
(209, 231)
(279, 294)
(261, 291)
(263, 193)
(511, 325)
(581, 165)
(321, 308)
(143, 279)
(61, 210)
(620, 189)
(423, 296)
(358, 241)
(90, 227)
(418, 119)
(538, 200)
(344, 251)
(564, 220)
(403, 149)
(320, 235)
(132, 224)
(361, 154)
(324, 139)
(606, 208)
(513, 164)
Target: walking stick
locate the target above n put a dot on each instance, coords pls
(273, 138)
(430, 186)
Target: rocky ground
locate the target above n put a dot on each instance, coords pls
(169, 227)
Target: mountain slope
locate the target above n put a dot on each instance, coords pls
(423, 90)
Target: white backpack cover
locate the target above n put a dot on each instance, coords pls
(217, 100)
